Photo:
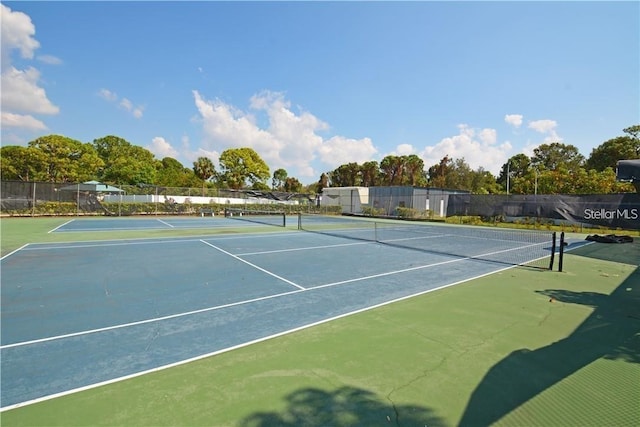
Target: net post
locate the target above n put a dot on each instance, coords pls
(553, 250)
(561, 258)
(284, 219)
(299, 220)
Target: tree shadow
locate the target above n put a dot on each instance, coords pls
(612, 331)
(345, 406)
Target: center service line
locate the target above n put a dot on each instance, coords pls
(254, 266)
(165, 223)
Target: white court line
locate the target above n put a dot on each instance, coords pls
(61, 225)
(203, 310)
(253, 265)
(145, 241)
(107, 230)
(14, 251)
(235, 347)
(106, 243)
(142, 322)
(419, 267)
(165, 223)
(275, 251)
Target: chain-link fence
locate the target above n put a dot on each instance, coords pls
(21, 198)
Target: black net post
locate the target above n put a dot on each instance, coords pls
(553, 250)
(561, 258)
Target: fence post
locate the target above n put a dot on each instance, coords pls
(33, 203)
(553, 250)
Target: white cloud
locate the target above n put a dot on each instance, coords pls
(339, 150)
(547, 127)
(288, 139)
(477, 152)
(16, 33)
(488, 136)
(161, 148)
(543, 126)
(514, 120)
(108, 95)
(49, 59)
(213, 155)
(22, 121)
(20, 92)
(404, 150)
(125, 103)
(128, 106)
(294, 139)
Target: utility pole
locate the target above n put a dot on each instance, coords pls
(508, 176)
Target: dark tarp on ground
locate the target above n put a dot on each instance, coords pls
(610, 238)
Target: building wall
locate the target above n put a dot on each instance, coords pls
(421, 199)
(351, 199)
(387, 199)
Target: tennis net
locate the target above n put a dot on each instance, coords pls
(532, 248)
(268, 217)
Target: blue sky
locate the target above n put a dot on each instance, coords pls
(313, 85)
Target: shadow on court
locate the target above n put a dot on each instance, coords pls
(612, 331)
(625, 253)
(346, 406)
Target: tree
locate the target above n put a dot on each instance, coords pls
(125, 163)
(483, 182)
(63, 159)
(633, 131)
(413, 170)
(171, 173)
(438, 172)
(370, 173)
(460, 176)
(21, 163)
(555, 155)
(204, 169)
(347, 175)
(292, 185)
(609, 152)
(240, 165)
(392, 170)
(279, 178)
(516, 167)
(322, 183)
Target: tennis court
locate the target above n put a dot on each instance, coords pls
(151, 223)
(79, 314)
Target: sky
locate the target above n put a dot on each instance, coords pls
(314, 85)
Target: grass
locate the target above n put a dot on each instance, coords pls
(16, 232)
(520, 347)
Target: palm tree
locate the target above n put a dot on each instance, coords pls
(204, 169)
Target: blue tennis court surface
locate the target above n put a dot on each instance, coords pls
(76, 315)
(150, 223)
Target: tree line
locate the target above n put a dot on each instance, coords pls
(554, 168)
